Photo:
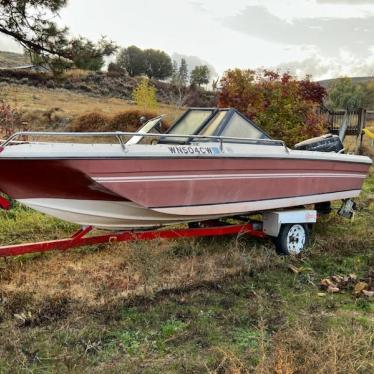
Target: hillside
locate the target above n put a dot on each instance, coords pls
(328, 82)
(99, 84)
(48, 102)
(57, 109)
(10, 59)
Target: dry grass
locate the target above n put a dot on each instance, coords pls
(47, 107)
(368, 145)
(337, 350)
(125, 270)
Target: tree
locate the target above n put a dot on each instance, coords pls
(132, 59)
(151, 62)
(158, 64)
(179, 80)
(30, 23)
(144, 95)
(368, 94)
(280, 104)
(344, 94)
(312, 91)
(90, 56)
(200, 75)
(183, 72)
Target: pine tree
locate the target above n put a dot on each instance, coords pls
(200, 75)
(31, 24)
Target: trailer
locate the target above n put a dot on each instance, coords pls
(289, 229)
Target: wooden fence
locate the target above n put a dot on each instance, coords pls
(353, 121)
(370, 115)
(344, 123)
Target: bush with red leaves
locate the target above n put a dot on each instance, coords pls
(283, 106)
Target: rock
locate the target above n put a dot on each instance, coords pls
(368, 293)
(359, 287)
(332, 289)
(327, 283)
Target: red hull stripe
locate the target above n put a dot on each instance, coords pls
(223, 176)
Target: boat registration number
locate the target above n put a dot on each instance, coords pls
(193, 150)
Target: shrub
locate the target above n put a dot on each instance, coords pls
(144, 95)
(128, 121)
(280, 104)
(114, 70)
(93, 121)
(10, 119)
(124, 121)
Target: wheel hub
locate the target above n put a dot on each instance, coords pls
(296, 239)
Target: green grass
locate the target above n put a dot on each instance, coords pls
(219, 306)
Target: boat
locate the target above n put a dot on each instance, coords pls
(211, 163)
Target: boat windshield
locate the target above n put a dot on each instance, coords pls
(240, 127)
(191, 121)
(213, 122)
(211, 128)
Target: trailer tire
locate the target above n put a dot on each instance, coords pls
(292, 239)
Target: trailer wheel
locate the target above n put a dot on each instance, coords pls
(292, 239)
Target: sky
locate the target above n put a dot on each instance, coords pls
(323, 38)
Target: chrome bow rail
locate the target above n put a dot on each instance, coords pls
(119, 135)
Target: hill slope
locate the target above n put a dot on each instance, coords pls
(11, 60)
(328, 82)
(98, 83)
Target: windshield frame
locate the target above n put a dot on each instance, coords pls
(147, 128)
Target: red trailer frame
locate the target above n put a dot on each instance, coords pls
(4, 203)
(290, 228)
(79, 239)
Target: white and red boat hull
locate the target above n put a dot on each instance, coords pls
(122, 190)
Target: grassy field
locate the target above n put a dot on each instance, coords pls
(189, 306)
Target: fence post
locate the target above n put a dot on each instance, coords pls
(360, 134)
